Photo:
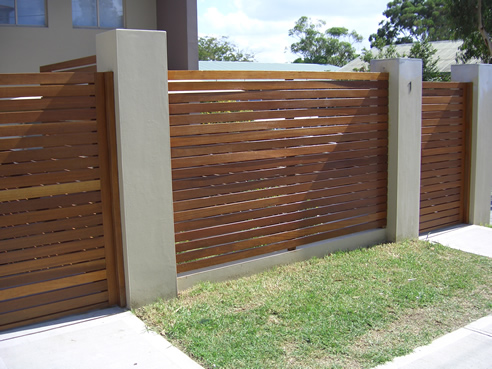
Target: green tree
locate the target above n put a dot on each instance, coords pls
(332, 46)
(471, 21)
(420, 50)
(425, 51)
(212, 48)
(413, 20)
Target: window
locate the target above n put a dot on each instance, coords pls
(97, 13)
(23, 12)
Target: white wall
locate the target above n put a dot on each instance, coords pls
(25, 49)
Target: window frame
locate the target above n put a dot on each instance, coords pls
(98, 18)
(16, 18)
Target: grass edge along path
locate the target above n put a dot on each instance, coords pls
(352, 309)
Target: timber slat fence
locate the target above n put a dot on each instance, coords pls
(268, 161)
(444, 176)
(57, 244)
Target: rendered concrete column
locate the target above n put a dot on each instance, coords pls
(481, 138)
(139, 62)
(405, 122)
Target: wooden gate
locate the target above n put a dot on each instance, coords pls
(59, 210)
(444, 173)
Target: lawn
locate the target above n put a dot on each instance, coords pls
(348, 310)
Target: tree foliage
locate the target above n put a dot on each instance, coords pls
(212, 48)
(413, 20)
(419, 50)
(332, 46)
(471, 21)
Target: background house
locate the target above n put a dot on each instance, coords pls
(446, 52)
(39, 32)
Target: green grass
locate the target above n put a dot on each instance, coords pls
(349, 310)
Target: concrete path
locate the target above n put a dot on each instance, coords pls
(469, 347)
(469, 238)
(110, 338)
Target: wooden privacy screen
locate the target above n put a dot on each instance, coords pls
(444, 176)
(268, 161)
(57, 187)
(86, 64)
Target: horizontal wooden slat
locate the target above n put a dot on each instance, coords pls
(36, 288)
(276, 153)
(32, 229)
(50, 190)
(52, 202)
(440, 223)
(442, 85)
(433, 173)
(49, 153)
(337, 160)
(441, 207)
(42, 142)
(288, 193)
(291, 142)
(50, 297)
(271, 125)
(188, 108)
(47, 91)
(247, 116)
(50, 214)
(439, 194)
(76, 175)
(56, 309)
(54, 261)
(223, 75)
(47, 104)
(51, 273)
(250, 185)
(269, 225)
(339, 229)
(425, 204)
(273, 95)
(48, 115)
(59, 314)
(199, 138)
(65, 78)
(26, 129)
(47, 239)
(44, 166)
(224, 176)
(267, 235)
(221, 86)
(230, 198)
(217, 225)
(429, 100)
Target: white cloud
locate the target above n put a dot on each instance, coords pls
(261, 26)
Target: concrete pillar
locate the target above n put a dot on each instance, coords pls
(179, 19)
(139, 62)
(481, 138)
(405, 122)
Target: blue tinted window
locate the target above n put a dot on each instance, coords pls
(97, 13)
(23, 12)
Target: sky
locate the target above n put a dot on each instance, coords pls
(261, 27)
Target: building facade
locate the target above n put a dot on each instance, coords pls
(39, 32)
